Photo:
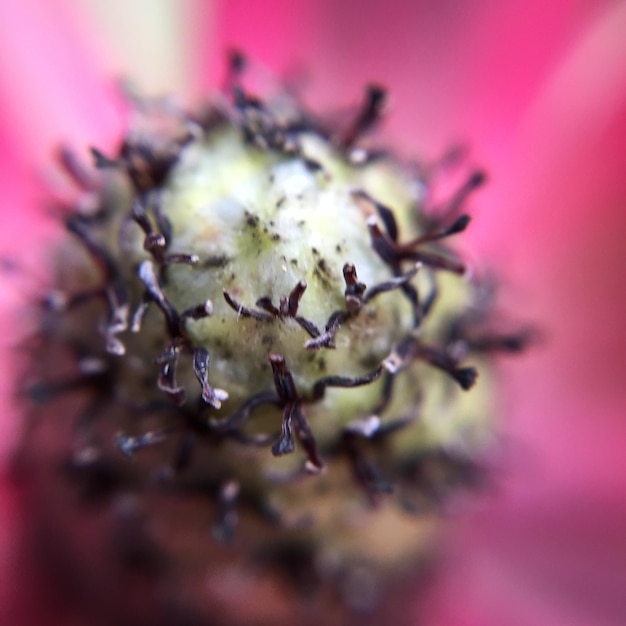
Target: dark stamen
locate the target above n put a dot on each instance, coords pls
(386, 395)
(148, 277)
(465, 376)
(185, 259)
(234, 70)
(101, 161)
(375, 97)
(306, 438)
(99, 254)
(354, 289)
(198, 312)
(327, 338)
(365, 473)
(458, 226)
(319, 388)
(241, 415)
(118, 318)
(288, 308)
(115, 291)
(140, 312)
(309, 326)
(430, 300)
(500, 343)
(162, 221)
(167, 376)
(411, 348)
(213, 397)
(394, 283)
(294, 299)
(155, 242)
(285, 443)
(393, 254)
(450, 210)
(384, 212)
(283, 379)
(242, 310)
(129, 445)
(393, 426)
(77, 170)
(266, 304)
(259, 125)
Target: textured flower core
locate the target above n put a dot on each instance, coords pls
(258, 328)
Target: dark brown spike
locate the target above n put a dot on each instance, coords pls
(80, 174)
(327, 338)
(128, 445)
(197, 312)
(242, 414)
(451, 208)
(464, 376)
(148, 276)
(309, 326)
(180, 257)
(432, 296)
(117, 322)
(458, 226)
(305, 436)
(384, 212)
(319, 388)
(138, 213)
(283, 379)
(394, 283)
(266, 304)
(365, 472)
(294, 298)
(354, 290)
(393, 254)
(436, 261)
(402, 355)
(386, 395)
(512, 343)
(285, 443)
(140, 312)
(388, 428)
(102, 161)
(244, 311)
(353, 286)
(234, 70)
(99, 254)
(200, 362)
(167, 376)
(368, 115)
(381, 244)
(162, 221)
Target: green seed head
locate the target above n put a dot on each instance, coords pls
(272, 339)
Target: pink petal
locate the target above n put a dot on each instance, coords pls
(52, 86)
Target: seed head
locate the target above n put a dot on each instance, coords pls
(264, 366)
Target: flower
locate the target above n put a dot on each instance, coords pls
(540, 92)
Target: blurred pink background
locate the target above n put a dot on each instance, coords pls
(538, 89)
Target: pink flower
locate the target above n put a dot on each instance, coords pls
(540, 91)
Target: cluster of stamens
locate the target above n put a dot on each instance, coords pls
(131, 287)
